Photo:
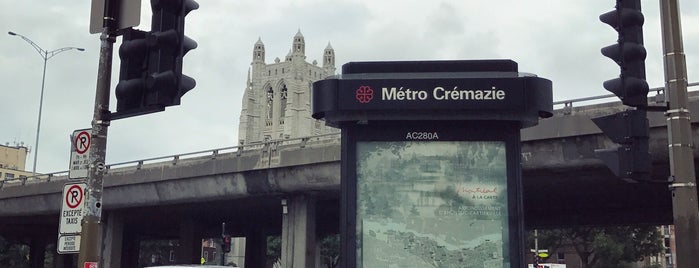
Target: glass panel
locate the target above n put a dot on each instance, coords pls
(431, 204)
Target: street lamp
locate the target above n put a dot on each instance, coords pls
(46, 55)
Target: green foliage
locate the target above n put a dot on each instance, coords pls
(602, 247)
(13, 255)
(330, 251)
(155, 252)
(274, 248)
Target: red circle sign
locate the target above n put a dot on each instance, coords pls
(74, 196)
(82, 142)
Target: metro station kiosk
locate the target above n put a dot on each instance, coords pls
(431, 173)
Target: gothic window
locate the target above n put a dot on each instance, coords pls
(270, 102)
(282, 106)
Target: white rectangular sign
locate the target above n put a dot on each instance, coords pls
(68, 244)
(72, 209)
(70, 220)
(80, 142)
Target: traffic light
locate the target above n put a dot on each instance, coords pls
(226, 245)
(150, 76)
(133, 53)
(166, 84)
(631, 160)
(631, 86)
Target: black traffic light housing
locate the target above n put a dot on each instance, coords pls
(151, 76)
(631, 86)
(133, 70)
(631, 160)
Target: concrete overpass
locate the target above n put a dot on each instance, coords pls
(291, 188)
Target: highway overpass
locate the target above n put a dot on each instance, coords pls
(292, 188)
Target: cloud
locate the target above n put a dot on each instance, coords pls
(558, 40)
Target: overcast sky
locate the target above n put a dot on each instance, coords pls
(557, 40)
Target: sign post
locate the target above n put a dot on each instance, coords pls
(430, 166)
(71, 218)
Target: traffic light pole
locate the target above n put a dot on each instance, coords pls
(90, 244)
(682, 175)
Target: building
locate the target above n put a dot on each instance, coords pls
(667, 258)
(12, 161)
(277, 99)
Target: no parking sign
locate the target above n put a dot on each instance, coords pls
(79, 153)
(70, 224)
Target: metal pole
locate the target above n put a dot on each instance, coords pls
(223, 241)
(536, 248)
(90, 244)
(682, 175)
(41, 104)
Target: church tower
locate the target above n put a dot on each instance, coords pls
(277, 99)
(329, 59)
(258, 53)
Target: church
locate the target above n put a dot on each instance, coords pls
(277, 99)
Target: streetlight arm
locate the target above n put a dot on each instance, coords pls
(41, 51)
(46, 55)
(52, 53)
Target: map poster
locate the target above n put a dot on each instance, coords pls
(432, 204)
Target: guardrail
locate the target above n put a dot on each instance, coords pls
(174, 159)
(568, 104)
(273, 144)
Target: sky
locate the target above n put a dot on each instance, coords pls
(557, 40)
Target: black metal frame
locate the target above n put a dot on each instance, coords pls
(506, 131)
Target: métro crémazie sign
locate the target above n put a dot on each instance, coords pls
(495, 91)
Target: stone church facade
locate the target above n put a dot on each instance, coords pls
(277, 99)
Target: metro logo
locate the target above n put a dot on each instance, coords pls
(364, 94)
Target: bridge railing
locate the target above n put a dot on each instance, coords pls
(565, 106)
(175, 159)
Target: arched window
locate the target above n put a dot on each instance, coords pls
(270, 102)
(282, 105)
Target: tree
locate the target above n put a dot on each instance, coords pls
(13, 255)
(602, 247)
(274, 249)
(330, 251)
(155, 252)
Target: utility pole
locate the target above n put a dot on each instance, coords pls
(90, 244)
(682, 176)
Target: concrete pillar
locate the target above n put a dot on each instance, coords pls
(255, 248)
(112, 244)
(237, 254)
(37, 248)
(130, 248)
(299, 232)
(189, 250)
